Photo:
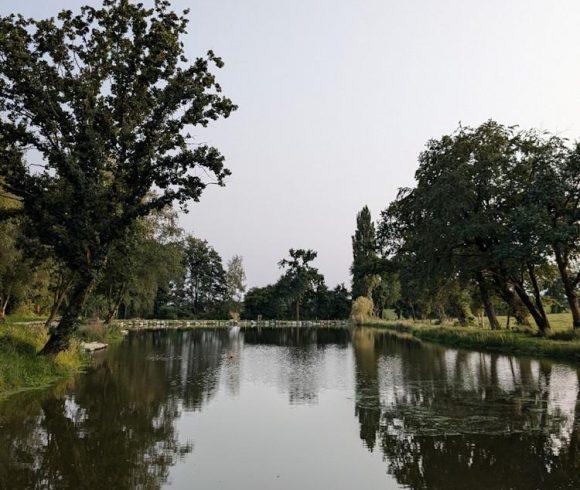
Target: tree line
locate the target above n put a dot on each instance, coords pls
(299, 293)
(156, 271)
(491, 226)
(159, 271)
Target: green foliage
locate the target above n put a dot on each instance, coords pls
(300, 277)
(364, 257)
(299, 293)
(24, 271)
(267, 302)
(202, 289)
(107, 99)
(481, 219)
(147, 260)
(362, 310)
(235, 281)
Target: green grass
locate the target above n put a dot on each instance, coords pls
(558, 321)
(25, 317)
(21, 367)
(561, 344)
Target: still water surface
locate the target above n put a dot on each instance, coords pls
(296, 409)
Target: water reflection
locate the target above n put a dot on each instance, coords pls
(454, 419)
(435, 417)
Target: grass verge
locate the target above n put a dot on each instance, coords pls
(504, 341)
(20, 366)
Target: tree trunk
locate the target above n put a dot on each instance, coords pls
(3, 307)
(60, 337)
(115, 308)
(297, 310)
(462, 317)
(538, 297)
(569, 287)
(59, 296)
(487, 303)
(537, 316)
(441, 316)
(515, 305)
(111, 314)
(464, 313)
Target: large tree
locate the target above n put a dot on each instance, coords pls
(105, 99)
(467, 220)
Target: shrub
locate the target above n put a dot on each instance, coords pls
(362, 310)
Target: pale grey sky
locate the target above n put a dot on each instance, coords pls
(338, 97)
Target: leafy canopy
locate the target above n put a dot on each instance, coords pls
(104, 99)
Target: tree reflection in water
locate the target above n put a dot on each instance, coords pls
(114, 427)
(440, 418)
(454, 419)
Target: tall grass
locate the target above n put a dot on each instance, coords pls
(21, 367)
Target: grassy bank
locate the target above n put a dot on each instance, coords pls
(503, 341)
(20, 366)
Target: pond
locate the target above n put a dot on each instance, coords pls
(283, 408)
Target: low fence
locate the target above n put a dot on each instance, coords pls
(138, 324)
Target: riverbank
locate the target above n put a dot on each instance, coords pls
(561, 345)
(20, 366)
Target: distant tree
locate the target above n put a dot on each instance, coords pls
(60, 282)
(339, 303)
(204, 285)
(106, 98)
(364, 255)
(16, 272)
(388, 291)
(300, 277)
(266, 302)
(235, 280)
(148, 258)
(276, 302)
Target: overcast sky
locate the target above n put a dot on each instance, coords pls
(337, 98)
